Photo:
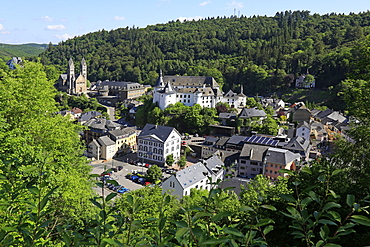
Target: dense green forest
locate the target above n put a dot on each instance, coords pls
(24, 50)
(264, 54)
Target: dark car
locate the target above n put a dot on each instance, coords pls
(114, 169)
(119, 168)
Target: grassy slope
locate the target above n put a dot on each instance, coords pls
(24, 50)
(319, 97)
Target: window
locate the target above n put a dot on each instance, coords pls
(243, 162)
(242, 167)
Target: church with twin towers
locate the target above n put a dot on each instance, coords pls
(73, 83)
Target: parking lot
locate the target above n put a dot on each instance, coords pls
(120, 176)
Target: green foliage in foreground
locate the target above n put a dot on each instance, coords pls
(288, 213)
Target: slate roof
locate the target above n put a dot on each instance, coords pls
(123, 85)
(199, 171)
(252, 112)
(222, 141)
(192, 174)
(280, 156)
(227, 115)
(211, 139)
(230, 94)
(319, 127)
(298, 143)
(323, 114)
(101, 123)
(88, 115)
(253, 152)
(106, 141)
(334, 117)
(237, 140)
(121, 133)
(162, 132)
(195, 81)
(303, 124)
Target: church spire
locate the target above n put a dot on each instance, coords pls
(160, 82)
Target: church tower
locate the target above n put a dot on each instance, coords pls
(71, 76)
(84, 68)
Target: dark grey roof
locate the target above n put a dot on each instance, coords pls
(195, 81)
(227, 115)
(222, 141)
(88, 115)
(252, 112)
(102, 123)
(122, 85)
(211, 139)
(121, 133)
(319, 127)
(162, 132)
(105, 140)
(304, 124)
(237, 140)
(323, 114)
(280, 156)
(253, 152)
(298, 143)
(230, 94)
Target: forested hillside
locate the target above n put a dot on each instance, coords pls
(25, 50)
(263, 53)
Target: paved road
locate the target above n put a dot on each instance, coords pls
(119, 176)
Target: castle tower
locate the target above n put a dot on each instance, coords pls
(84, 68)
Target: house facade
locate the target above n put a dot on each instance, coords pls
(197, 176)
(156, 142)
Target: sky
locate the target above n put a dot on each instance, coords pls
(40, 21)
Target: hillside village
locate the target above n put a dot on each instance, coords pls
(226, 131)
(305, 134)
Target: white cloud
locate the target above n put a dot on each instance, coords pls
(64, 36)
(55, 27)
(2, 27)
(5, 32)
(235, 4)
(195, 18)
(205, 3)
(47, 19)
(119, 18)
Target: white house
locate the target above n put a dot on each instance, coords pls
(156, 142)
(235, 100)
(197, 176)
(189, 90)
(303, 130)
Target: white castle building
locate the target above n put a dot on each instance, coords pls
(191, 90)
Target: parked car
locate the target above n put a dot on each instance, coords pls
(106, 173)
(119, 168)
(134, 177)
(114, 169)
(146, 183)
(122, 190)
(141, 180)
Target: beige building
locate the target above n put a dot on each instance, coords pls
(125, 140)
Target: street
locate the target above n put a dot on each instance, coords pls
(119, 176)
